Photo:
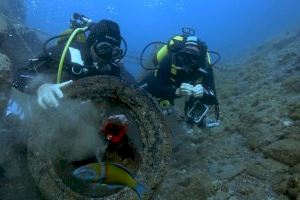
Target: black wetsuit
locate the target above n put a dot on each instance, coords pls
(164, 84)
(47, 65)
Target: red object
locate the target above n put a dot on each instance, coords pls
(114, 132)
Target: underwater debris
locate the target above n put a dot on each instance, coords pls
(155, 136)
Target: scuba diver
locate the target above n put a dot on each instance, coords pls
(99, 53)
(183, 69)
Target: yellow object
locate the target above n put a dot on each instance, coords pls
(79, 37)
(173, 44)
(174, 70)
(174, 41)
(208, 58)
(164, 104)
(115, 174)
(62, 59)
(109, 173)
(179, 38)
(162, 53)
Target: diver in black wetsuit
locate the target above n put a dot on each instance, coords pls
(184, 70)
(98, 54)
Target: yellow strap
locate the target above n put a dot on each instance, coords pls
(62, 59)
(208, 58)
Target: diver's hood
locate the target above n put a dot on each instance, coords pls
(105, 31)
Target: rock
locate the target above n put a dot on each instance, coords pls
(232, 170)
(220, 195)
(193, 184)
(296, 169)
(286, 151)
(14, 9)
(258, 136)
(3, 28)
(293, 132)
(3, 25)
(16, 181)
(5, 82)
(2, 172)
(12, 35)
(287, 123)
(266, 169)
(292, 84)
(289, 186)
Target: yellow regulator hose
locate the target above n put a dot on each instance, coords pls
(62, 59)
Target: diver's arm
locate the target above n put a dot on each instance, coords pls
(29, 78)
(43, 70)
(26, 79)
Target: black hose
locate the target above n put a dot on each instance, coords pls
(117, 60)
(52, 38)
(55, 37)
(125, 48)
(142, 54)
(217, 54)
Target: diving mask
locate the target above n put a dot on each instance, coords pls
(107, 51)
(188, 61)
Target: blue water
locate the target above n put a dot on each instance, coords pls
(228, 26)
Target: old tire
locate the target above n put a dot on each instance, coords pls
(155, 135)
